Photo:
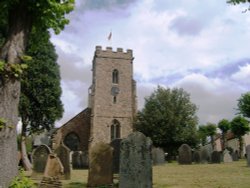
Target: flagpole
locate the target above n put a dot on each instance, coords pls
(110, 38)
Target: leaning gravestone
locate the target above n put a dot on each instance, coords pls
(115, 144)
(136, 162)
(205, 156)
(100, 165)
(227, 158)
(39, 158)
(158, 156)
(248, 155)
(63, 154)
(54, 167)
(197, 156)
(185, 154)
(215, 157)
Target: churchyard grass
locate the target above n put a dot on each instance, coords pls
(173, 175)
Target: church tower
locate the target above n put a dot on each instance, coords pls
(112, 95)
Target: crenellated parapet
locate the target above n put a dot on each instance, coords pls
(109, 53)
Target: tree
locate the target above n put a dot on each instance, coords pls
(238, 1)
(224, 126)
(211, 131)
(244, 104)
(239, 127)
(169, 119)
(202, 133)
(40, 105)
(20, 16)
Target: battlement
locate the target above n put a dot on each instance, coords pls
(109, 53)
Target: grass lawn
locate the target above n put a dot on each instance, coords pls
(173, 175)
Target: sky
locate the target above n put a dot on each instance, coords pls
(201, 46)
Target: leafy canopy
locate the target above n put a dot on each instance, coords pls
(239, 126)
(224, 125)
(168, 118)
(244, 104)
(44, 13)
(40, 105)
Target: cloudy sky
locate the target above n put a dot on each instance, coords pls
(199, 45)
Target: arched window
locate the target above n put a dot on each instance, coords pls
(115, 76)
(72, 141)
(115, 129)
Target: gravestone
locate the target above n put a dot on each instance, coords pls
(215, 157)
(54, 167)
(235, 156)
(197, 156)
(227, 158)
(79, 160)
(205, 156)
(115, 144)
(100, 165)
(158, 156)
(39, 158)
(63, 154)
(248, 155)
(185, 154)
(136, 162)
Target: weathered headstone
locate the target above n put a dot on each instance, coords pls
(115, 144)
(63, 154)
(54, 167)
(197, 156)
(39, 158)
(227, 158)
(136, 162)
(216, 157)
(205, 156)
(79, 160)
(235, 155)
(248, 155)
(100, 165)
(158, 156)
(185, 154)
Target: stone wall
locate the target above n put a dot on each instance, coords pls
(79, 125)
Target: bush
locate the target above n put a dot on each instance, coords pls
(21, 181)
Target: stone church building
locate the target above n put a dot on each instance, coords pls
(112, 103)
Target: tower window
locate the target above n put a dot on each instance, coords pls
(114, 99)
(115, 129)
(115, 76)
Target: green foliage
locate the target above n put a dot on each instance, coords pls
(244, 104)
(224, 125)
(40, 105)
(44, 14)
(9, 71)
(207, 130)
(2, 123)
(21, 181)
(169, 119)
(239, 126)
(237, 1)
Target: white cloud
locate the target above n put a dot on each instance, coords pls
(175, 43)
(243, 74)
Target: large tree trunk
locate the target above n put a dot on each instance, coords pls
(14, 47)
